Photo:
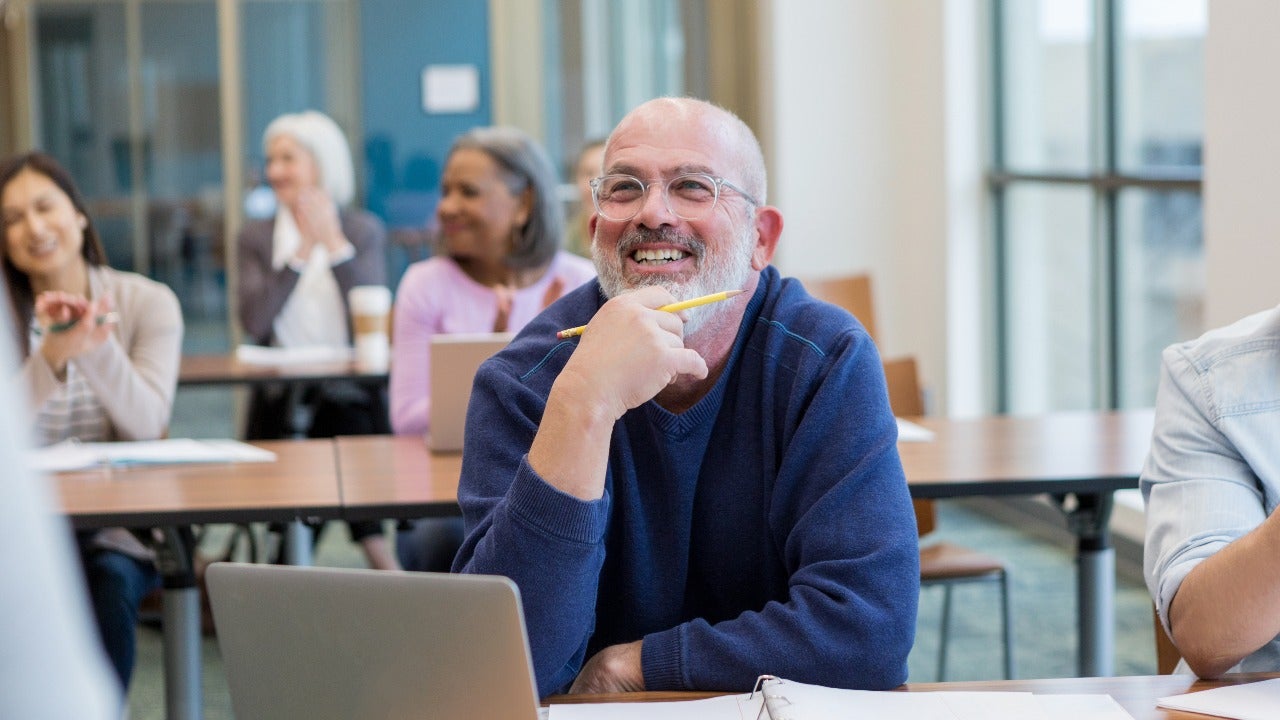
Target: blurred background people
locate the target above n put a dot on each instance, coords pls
(296, 270)
(498, 264)
(100, 351)
(589, 166)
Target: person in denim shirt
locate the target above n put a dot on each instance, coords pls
(1211, 484)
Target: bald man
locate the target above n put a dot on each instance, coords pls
(690, 500)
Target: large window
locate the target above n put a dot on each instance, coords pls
(1097, 194)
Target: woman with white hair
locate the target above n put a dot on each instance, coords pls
(295, 272)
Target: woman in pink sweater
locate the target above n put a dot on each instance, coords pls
(498, 260)
(498, 263)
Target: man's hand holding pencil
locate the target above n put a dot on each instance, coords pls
(631, 351)
(674, 307)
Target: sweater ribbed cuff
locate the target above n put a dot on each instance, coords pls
(661, 659)
(557, 513)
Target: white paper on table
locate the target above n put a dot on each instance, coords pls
(727, 707)
(1072, 707)
(911, 432)
(1251, 701)
(60, 457)
(812, 701)
(815, 701)
(72, 455)
(263, 355)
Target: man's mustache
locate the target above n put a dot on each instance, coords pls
(628, 243)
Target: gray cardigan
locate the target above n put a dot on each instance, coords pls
(264, 290)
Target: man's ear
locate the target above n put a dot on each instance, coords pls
(768, 230)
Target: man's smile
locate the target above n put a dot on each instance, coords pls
(658, 256)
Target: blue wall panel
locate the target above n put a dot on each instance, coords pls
(404, 145)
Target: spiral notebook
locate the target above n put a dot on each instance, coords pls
(775, 699)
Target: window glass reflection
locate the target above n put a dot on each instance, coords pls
(1049, 315)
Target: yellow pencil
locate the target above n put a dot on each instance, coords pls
(673, 307)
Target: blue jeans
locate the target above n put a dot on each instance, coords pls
(117, 583)
(430, 544)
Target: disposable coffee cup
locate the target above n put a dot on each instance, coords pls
(373, 352)
(370, 309)
(371, 325)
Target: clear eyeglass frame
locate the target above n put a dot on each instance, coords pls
(685, 209)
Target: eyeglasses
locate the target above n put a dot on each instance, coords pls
(689, 197)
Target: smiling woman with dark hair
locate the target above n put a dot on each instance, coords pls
(498, 260)
(100, 351)
(498, 264)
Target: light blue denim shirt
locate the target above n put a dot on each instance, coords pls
(1213, 473)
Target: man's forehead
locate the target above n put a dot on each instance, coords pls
(682, 166)
(671, 150)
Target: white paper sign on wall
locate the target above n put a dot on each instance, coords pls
(450, 88)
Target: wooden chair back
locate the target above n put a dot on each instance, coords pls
(851, 292)
(905, 399)
(1167, 654)
(903, 380)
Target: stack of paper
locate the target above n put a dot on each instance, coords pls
(911, 432)
(73, 455)
(312, 354)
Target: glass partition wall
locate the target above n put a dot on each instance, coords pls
(135, 95)
(132, 96)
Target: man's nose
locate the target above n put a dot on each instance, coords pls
(654, 211)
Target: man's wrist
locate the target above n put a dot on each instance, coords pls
(571, 449)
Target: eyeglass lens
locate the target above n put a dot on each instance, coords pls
(689, 197)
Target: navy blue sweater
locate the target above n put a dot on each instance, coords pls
(768, 529)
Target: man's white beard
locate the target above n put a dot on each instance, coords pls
(726, 271)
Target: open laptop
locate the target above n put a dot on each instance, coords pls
(454, 361)
(321, 643)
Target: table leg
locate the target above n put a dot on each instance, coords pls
(297, 414)
(297, 543)
(182, 669)
(1095, 583)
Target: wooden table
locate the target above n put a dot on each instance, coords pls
(295, 378)
(1137, 694)
(301, 484)
(198, 370)
(385, 476)
(1079, 458)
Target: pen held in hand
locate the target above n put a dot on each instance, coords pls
(672, 308)
(103, 319)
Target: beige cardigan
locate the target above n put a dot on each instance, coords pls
(135, 372)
